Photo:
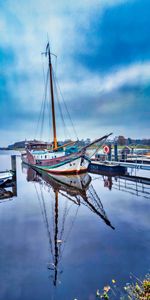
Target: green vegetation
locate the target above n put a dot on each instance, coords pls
(136, 290)
(134, 147)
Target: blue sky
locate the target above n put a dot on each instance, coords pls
(103, 65)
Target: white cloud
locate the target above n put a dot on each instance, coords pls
(24, 28)
(24, 31)
(90, 84)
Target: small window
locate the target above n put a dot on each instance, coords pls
(45, 156)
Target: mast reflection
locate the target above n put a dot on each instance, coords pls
(79, 190)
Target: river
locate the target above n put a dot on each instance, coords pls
(58, 242)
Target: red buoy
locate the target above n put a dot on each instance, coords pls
(106, 149)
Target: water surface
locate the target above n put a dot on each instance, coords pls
(57, 243)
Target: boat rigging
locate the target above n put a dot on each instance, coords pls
(60, 159)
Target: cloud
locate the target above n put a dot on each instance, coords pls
(103, 55)
(117, 37)
(131, 75)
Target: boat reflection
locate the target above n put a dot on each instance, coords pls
(79, 190)
(76, 188)
(134, 185)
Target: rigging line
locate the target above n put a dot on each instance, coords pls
(55, 64)
(63, 226)
(42, 108)
(69, 198)
(59, 105)
(67, 110)
(66, 132)
(101, 213)
(44, 105)
(44, 217)
(97, 148)
(66, 213)
(47, 224)
(43, 70)
(95, 197)
(63, 220)
(49, 115)
(44, 79)
(69, 232)
(40, 203)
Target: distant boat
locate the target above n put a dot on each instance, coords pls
(5, 176)
(57, 160)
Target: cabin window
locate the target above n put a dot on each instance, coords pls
(45, 156)
(70, 164)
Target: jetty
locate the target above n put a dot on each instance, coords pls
(8, 182)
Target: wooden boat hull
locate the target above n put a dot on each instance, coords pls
(69, 166)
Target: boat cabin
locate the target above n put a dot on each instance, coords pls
(35, 145)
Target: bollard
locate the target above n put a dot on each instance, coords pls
(109, 154)
(116, 151)
(13, 168)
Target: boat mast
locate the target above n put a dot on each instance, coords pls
(52, 98)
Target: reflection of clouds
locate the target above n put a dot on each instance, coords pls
(121, 205)
(93, 253)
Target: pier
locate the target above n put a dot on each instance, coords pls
(8, 189)
(132, 165)
(114, 160)
(106, 167)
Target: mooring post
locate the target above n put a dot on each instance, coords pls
(109, 154)
(116, 151)
(13, 169)
(13, 164)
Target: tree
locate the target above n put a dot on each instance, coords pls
(121, 140)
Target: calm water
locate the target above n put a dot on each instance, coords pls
(59, 243)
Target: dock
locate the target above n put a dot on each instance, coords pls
(142, 166)
(116, 167)
(8, 188)
(106, 168)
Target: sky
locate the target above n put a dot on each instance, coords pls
(103, 66)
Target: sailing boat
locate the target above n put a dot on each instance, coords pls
(57, 160)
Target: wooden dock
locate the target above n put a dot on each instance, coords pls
(116, 167)
(106, 168)
(133, 165)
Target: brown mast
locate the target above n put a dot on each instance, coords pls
(52, 98)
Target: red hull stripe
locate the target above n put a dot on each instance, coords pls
(63, 172)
